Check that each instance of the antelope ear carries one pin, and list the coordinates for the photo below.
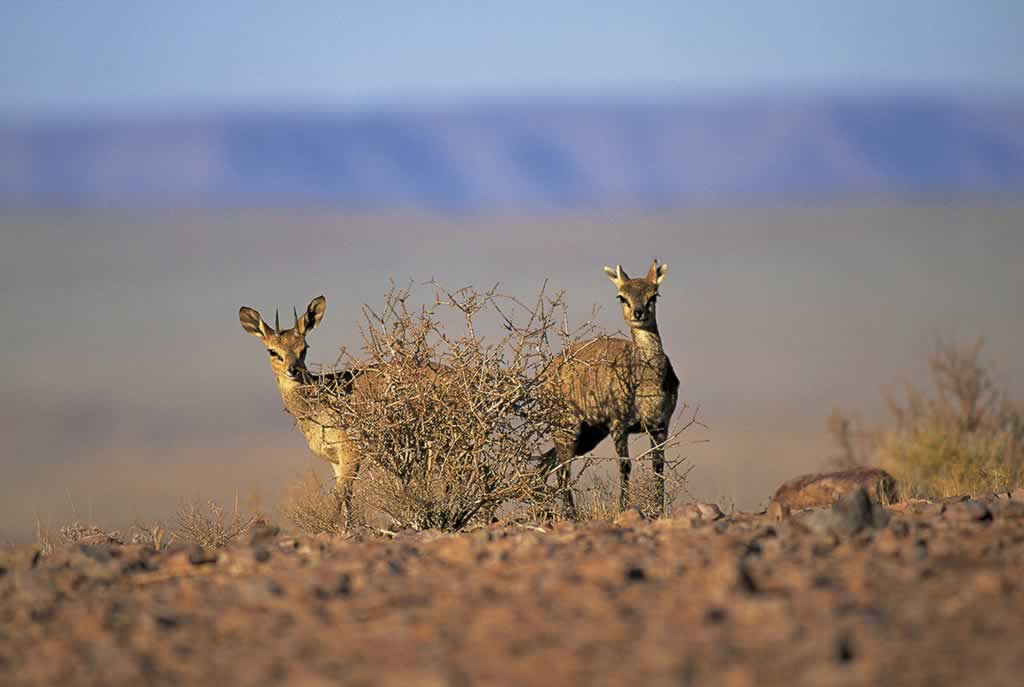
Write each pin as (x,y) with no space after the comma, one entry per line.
(617,275)
(657,273)
(314,313)
(253,323)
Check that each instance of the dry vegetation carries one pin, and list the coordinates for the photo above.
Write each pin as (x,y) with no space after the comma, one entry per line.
(457,416)
(313,507)
(964,437)
(451,431)
(212,526)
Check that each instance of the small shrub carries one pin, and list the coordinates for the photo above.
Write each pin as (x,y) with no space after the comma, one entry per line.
(154,535)
(966,437)
(598,497)
(856,445)
(211,527)
(314,508)
(44,540)
(455,416)
(81,533)
(933,459)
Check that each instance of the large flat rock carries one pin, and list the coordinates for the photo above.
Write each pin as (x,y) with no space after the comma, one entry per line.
(825,488)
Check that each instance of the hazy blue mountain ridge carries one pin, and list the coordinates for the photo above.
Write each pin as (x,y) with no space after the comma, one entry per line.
(523,155)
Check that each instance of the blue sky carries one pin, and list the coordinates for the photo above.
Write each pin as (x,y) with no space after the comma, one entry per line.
(119,56)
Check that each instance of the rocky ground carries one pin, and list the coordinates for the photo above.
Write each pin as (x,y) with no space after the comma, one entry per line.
(917,594)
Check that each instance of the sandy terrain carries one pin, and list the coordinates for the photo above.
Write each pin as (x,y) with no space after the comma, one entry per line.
(933,596)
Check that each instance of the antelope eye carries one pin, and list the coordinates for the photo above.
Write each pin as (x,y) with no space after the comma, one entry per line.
(652,299)
(274,354)
(620,298)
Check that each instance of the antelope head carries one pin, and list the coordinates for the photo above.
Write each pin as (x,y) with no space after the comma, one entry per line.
(638,296)
(286,347)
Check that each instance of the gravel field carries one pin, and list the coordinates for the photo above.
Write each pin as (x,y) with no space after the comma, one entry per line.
(919,593)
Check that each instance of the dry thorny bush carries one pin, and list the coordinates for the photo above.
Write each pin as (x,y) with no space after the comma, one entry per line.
(458,414)
(966,437)
(211,527)
(154,535)
(455,412)
(598,497)
(313,507)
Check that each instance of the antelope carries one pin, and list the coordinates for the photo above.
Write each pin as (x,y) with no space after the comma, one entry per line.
(609,386)
(287,349)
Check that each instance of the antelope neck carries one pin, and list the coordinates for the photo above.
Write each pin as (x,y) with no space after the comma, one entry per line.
(647,342)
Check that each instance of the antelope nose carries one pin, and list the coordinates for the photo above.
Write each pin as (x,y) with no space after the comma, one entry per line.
(638,314)
(292,370)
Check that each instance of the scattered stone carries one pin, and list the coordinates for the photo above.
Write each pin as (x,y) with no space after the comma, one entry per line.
(167,620)
(825,488)
(746,595)
(343,587)
(262,533)
(851,513)
(1008,508)
(97,552)
(629,518)
(844,652)
(716,615)
(700,511)
(635,573)
(921,507)
(967,511)
(778,511)
(197,555)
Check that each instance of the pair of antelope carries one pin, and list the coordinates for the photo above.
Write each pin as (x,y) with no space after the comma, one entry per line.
(608,386)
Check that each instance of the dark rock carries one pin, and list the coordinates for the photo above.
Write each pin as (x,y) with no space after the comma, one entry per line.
(822,582)
(43,614)
(97,552)
(120,616)
(967,511)
(844,650)
(1008,508)
(167,620)
(715,615)
(197,555)
(635,573)
(899,528)
(853,512)
(344,586)
(262,533)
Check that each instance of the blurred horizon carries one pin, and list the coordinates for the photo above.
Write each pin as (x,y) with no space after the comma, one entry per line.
(528,155)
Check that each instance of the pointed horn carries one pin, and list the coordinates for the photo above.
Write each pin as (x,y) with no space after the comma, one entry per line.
(277,322)
(296,313)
